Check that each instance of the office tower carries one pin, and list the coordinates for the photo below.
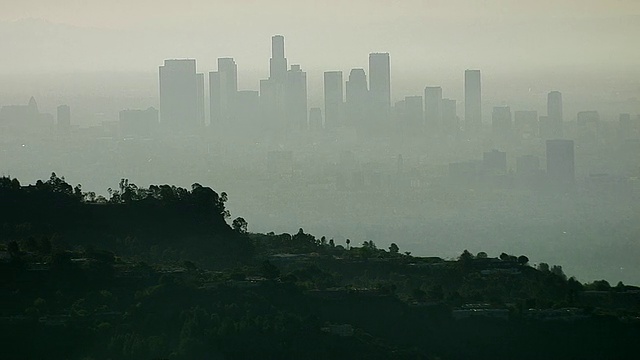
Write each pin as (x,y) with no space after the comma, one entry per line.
(357,96)
(560,162)
(200,99)
(223,89)
(526,124)
(450,121)
(472,101)
(495,161)
(273,93)
(179,95)
(64,118)
(432,106)
(501,122)
(413,112)
(247,109)
(554,113)
(315,119)
(296,98)
(277,63)
(380,85)
(138,123)
(587,128)
(333,99)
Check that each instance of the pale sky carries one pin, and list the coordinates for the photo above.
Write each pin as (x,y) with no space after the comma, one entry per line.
(428,35)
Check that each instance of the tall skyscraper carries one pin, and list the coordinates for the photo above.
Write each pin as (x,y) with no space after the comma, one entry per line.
(472,100)
(560,163)
(554,113)
(357,96)
(200,99)
(296,98)
(223,90)
(277,63)
(64,118)
(432,106)
(380,85)
(333,99)
(179,95)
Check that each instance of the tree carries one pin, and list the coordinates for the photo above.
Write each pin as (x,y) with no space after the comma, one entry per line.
(394,248)
(523,260)
(269,270)
(482,255)
(504,257)
(240,225)
(13,249)
(465,256)
(543,267)
(348,243)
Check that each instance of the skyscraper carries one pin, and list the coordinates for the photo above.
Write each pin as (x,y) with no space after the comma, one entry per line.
(380,85)
(296,98)
(560,163)
(432,106)
(526,124)
(223,89)
(277,63)
(179,95)
(554,113)
(472,100)
(357,96)
(333,99)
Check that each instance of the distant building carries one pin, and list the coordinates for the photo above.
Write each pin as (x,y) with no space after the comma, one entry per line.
(247,109)
(179,104)
(526,124)
(587,127)
(472,100)
(450,120)
(357,98)
(501,123)
(380,86)
(495,161)
(413,111)
(560,163)
(555,113)
(333,99)
(138,123)
(223,90)
(296,98)
(433,106)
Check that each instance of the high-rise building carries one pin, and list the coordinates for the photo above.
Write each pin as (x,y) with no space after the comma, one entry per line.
(357,96)
(554,113)
(380,85)
(296,98)
(333,99)
(432,106)
(413,111)
(495,161)
(179,95)
(223,89)
(560,162)
(278,62)
(200,99)
(450,121)
(64,118)
(472,100)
